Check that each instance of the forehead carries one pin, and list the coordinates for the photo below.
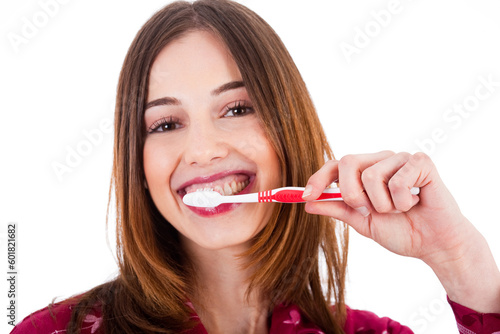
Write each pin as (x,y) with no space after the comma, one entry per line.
(195,60)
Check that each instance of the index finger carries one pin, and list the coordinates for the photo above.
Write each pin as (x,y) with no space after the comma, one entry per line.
(325,176)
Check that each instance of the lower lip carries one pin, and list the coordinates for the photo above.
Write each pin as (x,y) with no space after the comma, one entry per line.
(223,208)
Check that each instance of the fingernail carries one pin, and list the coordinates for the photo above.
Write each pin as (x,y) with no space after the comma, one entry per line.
(307,191)
(363,211)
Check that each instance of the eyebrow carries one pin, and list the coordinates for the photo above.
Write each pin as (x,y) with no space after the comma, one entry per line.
(227,86)
(162,102)
(173,101)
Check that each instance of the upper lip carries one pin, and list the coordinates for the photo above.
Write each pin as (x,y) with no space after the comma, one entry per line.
(213,177)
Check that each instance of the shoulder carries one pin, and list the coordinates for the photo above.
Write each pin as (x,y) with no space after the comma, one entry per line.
(54,319)
(289,319)
(366,322)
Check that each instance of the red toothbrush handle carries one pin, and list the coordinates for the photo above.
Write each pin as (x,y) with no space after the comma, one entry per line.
(328,196)
(291,196)
(267,196)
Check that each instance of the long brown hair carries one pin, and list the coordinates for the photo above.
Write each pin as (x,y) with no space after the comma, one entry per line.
(149,294)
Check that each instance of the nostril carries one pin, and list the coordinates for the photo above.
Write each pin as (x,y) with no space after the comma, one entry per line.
(197,157)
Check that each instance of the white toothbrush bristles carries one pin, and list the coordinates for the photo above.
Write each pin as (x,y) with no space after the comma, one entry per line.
(203,199)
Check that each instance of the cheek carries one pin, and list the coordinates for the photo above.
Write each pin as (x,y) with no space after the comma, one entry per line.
(272,168)
(159,163)
(252,142)
(259,149)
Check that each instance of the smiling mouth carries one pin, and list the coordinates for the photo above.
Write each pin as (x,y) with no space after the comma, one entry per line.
(226,186)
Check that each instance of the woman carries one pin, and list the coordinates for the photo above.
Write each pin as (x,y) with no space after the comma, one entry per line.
(209,97)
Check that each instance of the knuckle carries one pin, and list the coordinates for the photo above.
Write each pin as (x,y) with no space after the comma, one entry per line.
(388,153)
(383,207)
(348,161)
(404,156)
(353,199)
(370,175)
(421,158)
(331,162)
(396,183)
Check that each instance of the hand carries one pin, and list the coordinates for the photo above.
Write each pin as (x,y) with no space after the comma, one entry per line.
(378,203)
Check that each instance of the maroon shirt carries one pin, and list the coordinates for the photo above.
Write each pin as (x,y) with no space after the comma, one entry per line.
(285,320)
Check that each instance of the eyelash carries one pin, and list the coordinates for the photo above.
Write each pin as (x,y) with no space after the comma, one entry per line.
(162,122)
(242,106)
(239,105)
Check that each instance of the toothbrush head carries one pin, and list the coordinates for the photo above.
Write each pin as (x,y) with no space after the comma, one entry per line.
(203,199)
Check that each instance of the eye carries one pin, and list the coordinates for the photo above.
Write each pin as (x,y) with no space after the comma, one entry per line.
(165,124)
(239,108)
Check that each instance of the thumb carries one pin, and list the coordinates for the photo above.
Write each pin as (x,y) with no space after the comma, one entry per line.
(342,212)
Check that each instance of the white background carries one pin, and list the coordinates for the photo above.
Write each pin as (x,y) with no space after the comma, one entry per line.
(392,94)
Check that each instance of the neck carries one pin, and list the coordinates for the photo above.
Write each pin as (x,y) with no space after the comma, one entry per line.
(220,293)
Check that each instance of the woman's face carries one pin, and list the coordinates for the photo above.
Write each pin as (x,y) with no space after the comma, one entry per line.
(202,132)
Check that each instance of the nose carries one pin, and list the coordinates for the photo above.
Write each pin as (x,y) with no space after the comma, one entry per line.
(204,144)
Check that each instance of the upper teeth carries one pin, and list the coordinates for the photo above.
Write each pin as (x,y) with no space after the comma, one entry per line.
(227,189)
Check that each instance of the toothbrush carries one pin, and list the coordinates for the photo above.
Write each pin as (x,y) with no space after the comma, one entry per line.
(211,199)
